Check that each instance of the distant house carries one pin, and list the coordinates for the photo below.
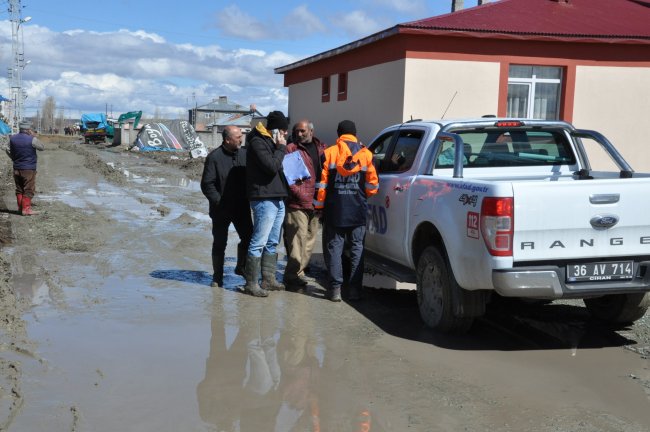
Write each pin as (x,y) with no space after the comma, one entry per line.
(205,117)
(584,61)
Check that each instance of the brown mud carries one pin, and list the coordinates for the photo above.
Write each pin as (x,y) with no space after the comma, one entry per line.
(108,322)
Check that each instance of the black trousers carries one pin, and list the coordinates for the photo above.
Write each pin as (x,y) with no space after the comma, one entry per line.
(225,214)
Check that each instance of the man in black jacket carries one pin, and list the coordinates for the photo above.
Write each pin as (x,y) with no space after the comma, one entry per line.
(266,187)
(224,184)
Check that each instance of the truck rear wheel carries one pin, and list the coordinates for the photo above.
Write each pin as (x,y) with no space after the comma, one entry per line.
(435,284)
(618,308)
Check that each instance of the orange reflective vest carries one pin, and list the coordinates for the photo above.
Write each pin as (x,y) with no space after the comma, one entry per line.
(347,180)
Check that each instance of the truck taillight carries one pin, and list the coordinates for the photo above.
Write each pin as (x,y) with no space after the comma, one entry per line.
(497,225)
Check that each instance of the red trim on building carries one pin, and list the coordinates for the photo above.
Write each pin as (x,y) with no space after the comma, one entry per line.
(568,93)
(568,89)
(422,46)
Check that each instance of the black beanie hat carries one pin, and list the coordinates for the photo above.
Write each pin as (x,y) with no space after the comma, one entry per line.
(277,120)
(346,127)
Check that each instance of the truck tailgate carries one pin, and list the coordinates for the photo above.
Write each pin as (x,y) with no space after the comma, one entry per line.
(581,219)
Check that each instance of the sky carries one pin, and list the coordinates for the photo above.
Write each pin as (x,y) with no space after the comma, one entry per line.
(164,57)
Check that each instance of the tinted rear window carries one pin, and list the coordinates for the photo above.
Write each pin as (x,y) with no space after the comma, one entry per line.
(500,148)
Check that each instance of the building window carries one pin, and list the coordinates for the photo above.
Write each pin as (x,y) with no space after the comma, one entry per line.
(534,92)
(325,89)
(343,87)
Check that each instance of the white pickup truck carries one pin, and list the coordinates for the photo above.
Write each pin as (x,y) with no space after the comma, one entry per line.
(470,207)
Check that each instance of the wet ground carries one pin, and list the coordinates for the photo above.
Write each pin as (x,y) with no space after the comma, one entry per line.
(109,323)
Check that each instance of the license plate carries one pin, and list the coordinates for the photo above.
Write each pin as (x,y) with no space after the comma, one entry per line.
(601,271)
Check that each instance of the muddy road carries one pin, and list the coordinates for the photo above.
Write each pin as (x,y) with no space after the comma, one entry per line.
(109,323)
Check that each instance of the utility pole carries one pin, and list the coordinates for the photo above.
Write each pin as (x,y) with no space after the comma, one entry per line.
(194,112)
(18,63)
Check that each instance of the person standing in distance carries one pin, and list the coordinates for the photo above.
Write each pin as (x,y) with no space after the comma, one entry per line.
(267,189)
(22,151)
(224,185)
(348,179)
(301,220)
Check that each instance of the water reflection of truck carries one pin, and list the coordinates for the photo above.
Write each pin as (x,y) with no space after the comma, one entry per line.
(95,128)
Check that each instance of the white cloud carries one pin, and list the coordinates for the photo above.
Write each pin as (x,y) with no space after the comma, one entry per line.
(357,24)
(405,6)
(135,70)
(235,22)
(301,20)
(297,23)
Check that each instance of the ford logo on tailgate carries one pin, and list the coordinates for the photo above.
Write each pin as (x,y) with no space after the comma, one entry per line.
(601,222)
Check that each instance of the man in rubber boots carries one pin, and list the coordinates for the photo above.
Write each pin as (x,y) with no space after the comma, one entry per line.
(266,187)
(224,185)
(22,150)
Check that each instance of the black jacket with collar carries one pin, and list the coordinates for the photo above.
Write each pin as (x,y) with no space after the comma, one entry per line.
(264,175)
(224,178)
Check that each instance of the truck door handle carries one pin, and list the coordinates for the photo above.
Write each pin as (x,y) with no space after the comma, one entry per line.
(604,198)
(398,188)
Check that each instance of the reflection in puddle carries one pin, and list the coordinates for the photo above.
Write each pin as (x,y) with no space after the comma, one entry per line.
(268,365)
(31,288)
(168,181)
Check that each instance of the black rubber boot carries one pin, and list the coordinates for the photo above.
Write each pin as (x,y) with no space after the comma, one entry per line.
(217,268)
(252,275)
(242,250)
(269,265)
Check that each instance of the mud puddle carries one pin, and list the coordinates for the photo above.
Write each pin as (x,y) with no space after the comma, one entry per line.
(124,332)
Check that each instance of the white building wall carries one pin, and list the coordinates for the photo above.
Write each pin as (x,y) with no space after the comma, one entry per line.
(451,88)
(615,101)
(369,91)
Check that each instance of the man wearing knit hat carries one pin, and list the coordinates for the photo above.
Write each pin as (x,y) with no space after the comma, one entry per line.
(266,188)
(22,150)
(347,180)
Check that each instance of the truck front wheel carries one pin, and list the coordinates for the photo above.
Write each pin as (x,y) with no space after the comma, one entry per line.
(618,308)
(435,283)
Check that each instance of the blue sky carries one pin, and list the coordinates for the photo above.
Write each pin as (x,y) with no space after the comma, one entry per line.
(162,56)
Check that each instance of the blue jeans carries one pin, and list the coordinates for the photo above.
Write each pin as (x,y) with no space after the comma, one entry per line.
(268,216)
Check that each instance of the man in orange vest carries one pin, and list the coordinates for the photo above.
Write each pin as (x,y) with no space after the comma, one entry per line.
(347,180)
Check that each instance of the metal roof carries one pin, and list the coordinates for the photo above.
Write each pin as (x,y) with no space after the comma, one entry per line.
(612,21)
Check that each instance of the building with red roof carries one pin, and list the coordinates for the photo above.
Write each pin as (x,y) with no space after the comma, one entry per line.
(584,61)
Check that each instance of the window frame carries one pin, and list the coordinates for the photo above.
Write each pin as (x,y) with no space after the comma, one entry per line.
(325,89)
(531,83)
(392,138)
(342,87)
